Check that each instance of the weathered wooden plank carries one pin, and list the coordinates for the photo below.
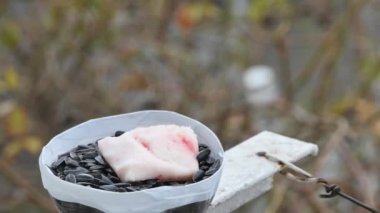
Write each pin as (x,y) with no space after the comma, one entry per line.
(247,176)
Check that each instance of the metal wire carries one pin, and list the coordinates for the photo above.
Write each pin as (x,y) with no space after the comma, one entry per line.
(295,173)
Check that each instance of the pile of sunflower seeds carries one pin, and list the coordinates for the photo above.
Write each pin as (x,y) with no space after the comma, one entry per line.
(85,166)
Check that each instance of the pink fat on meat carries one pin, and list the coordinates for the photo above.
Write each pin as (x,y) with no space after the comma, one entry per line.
(164,152)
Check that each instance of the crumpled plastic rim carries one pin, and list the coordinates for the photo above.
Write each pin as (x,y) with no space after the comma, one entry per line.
(153,200)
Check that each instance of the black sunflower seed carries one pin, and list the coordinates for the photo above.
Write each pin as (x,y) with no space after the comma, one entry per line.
(105,179)
(90,165)
(68,168)
(75,171)
(73,155)
(85,183)
(203,163)
(198,175)
(100,160)
(89,155)
(118,133)
(88,161)
(84,177)
(108,187)
(96,167)
(98,182)
(70,162)
(85,151)
(159,184)
(70,178)
(64,154)
(202,155)
(58,162)
(210,160)
(97,171)
(122,184)
(113,178)
(101,182)
(60,168)
(95,174)
(213,168)
(203,146)
(109,170)
(131,188)
(151,181)
(204,167)
(80,156)
(81,147)
(174,183)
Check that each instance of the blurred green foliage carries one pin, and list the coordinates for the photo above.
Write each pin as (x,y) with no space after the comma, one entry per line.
(63,62)
(15,121)
(261,11)
(10,34)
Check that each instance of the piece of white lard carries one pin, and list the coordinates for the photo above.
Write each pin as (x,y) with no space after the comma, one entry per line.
(163,152)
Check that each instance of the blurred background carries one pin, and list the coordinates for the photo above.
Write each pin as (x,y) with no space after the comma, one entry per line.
(305,69)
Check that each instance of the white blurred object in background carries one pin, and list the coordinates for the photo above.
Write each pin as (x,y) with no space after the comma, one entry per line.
(375,89)
(261,86)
